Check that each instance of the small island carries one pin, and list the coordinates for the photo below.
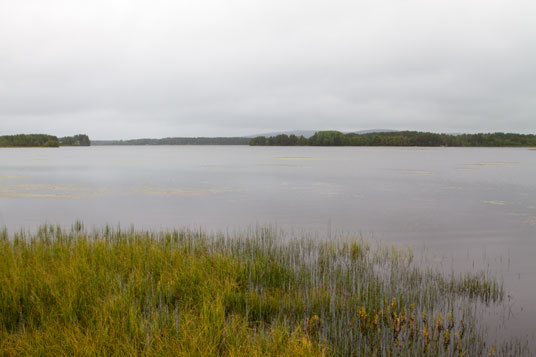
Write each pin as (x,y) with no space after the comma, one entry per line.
(43,140)
(29,140)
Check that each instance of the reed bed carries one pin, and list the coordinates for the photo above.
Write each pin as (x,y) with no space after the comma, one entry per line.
(185,292)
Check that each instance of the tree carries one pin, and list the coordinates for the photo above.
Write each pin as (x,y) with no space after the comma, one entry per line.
(328,138)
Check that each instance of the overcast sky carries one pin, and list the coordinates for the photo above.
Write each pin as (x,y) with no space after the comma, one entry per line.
(140,68)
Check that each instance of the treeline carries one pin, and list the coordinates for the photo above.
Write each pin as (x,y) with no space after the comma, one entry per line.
(399,138)
(177,141)
(279,140)
(29,140)
(43,140)
(77,140)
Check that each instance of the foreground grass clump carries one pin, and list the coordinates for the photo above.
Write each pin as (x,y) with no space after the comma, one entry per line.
(186,293)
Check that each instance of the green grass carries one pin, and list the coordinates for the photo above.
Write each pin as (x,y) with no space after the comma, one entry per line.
(114,292)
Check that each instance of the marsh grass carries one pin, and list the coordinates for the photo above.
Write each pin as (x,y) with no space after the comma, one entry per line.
(185,292)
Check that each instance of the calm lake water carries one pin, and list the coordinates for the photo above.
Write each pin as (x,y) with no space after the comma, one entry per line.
(462,208)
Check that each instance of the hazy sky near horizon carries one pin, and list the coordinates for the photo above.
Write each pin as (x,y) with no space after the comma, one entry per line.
(139,68)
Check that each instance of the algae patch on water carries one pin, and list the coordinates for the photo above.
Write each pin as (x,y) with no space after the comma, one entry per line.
(13,177)
(299,158)
(453,188)
(414,172)
(153,190)
(497,163)
(498,203)
(47,191)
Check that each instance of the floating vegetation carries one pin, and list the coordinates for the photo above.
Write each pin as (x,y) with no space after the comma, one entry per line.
(499,163)
(414,172)
(498,203)
(300,158)
(33,190)
(256,292)
(46,191)
(454,188)
(12,177)
(180,191)
(294,166)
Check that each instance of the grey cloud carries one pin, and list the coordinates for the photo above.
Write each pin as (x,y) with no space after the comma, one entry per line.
(119,69)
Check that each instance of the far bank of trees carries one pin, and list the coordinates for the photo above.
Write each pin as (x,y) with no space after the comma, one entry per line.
(76,140)
(29,140)
(400,138)
(43,140)
(279,140)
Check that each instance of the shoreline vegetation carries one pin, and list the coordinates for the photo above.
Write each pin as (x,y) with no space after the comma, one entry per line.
(43,140)
(76,140)
(29,140)
(398,138)
(320,138)
(256,292)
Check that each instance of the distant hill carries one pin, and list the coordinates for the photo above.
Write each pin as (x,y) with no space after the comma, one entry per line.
(370,131)
(306,133)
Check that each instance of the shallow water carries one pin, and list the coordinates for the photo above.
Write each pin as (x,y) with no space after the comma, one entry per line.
(465,208)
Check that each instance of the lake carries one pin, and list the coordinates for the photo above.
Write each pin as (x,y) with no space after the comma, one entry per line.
(461,209)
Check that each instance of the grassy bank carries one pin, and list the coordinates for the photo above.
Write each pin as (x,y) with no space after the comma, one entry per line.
(251,293)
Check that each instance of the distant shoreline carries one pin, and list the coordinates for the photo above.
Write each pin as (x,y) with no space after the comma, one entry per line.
(177,141)
(399,139)
(320,138)
(29,147)
(335,138)
(42,141)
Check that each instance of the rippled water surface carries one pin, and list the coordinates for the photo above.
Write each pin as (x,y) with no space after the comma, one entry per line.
(463,208)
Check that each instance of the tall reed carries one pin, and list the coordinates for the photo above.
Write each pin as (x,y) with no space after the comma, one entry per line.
(254,292)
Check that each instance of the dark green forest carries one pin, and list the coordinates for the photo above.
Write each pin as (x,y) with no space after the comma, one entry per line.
(29,140)
(177,141)
(76,140)
(399,138)
(43,140)
(320,138)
